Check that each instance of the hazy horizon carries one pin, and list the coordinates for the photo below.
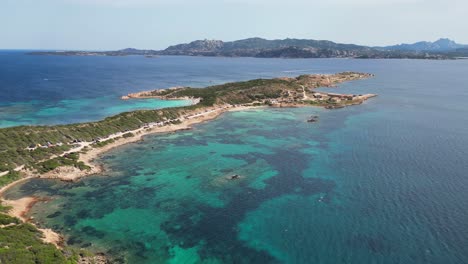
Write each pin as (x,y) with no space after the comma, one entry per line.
(157,24)
(126,47)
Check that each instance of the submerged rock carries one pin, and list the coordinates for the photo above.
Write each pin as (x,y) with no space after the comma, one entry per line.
(313,119)
(234,177)
(334,106)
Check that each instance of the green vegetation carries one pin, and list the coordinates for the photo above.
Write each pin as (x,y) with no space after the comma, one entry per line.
(20,243)
(70,159)
(6,220)
(128,135)
(4,209)
(14,141)
(101,144)
(238,92)
(9,178)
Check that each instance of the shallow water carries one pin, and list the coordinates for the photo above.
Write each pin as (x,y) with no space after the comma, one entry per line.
(383,182)
(75,110)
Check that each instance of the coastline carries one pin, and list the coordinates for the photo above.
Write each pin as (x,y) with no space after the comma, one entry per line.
(21,207)
(68,173)
(89,151)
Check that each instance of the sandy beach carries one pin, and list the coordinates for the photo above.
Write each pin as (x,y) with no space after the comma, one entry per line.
(20,209)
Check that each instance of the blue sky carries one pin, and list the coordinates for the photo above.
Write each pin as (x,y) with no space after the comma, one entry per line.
(156,24)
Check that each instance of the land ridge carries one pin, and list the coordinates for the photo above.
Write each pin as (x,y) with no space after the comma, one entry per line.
(289,48)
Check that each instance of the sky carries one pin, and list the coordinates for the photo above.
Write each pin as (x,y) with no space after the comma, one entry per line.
(156,24)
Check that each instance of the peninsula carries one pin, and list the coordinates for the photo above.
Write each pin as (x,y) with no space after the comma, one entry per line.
(67,152)
(45,151)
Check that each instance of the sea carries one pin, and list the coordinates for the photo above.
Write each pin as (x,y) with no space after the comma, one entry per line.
(381,182)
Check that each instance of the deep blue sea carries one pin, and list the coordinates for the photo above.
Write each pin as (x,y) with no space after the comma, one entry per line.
(382,182)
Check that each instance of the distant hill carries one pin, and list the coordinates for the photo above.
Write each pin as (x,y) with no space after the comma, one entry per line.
(458,53)
(441,45)
(290,48)
(122,52)
(258,47)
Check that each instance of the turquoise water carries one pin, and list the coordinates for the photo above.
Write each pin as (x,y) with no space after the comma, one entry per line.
(382,182)
(75,110)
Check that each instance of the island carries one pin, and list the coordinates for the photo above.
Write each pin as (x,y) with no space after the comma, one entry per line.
(441,49)
(67,152)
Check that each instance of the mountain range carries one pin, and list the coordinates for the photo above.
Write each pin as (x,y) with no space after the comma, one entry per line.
(441,45)
(292,48)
